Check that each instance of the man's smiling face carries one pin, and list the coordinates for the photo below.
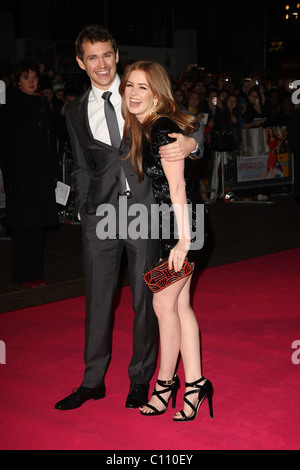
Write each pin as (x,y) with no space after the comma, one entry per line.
(99,60)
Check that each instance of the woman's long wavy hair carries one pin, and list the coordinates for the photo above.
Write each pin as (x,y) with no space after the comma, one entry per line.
(161,88)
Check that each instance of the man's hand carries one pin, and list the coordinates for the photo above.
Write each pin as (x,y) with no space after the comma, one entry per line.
(178,150)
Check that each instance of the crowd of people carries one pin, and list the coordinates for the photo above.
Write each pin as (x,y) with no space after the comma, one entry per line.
(222,101)
(225,103)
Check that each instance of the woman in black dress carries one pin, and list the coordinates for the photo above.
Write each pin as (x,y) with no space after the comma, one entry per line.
(29,165)
(151,117)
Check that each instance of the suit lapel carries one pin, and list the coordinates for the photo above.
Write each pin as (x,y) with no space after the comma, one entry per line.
(83,112)
(84,118)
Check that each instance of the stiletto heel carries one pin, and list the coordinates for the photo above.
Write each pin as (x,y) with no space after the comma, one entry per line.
(204,391)
(210,405)
(172,386)
(174,396)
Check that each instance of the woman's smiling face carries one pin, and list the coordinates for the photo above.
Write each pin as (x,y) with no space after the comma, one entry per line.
(138,95)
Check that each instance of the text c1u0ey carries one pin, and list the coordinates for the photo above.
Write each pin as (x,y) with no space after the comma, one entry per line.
(154,459)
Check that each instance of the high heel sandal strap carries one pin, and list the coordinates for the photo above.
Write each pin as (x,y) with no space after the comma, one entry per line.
(196,383)
(197,389)
(204,391)
(187,401)
(168,387)
(167,383)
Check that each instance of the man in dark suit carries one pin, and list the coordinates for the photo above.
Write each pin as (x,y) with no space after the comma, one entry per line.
(103,179)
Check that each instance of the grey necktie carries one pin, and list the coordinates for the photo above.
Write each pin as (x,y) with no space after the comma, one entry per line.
(113,128)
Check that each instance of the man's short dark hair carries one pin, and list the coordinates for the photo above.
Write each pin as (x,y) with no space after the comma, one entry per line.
(93,33)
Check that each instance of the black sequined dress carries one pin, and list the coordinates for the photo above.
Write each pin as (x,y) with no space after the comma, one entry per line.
(153,169)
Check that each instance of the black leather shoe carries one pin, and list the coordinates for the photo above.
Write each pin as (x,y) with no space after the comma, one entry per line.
(138,395)
(80,396)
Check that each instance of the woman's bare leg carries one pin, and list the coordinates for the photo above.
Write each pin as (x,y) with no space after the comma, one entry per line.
(190,344)
(165,305)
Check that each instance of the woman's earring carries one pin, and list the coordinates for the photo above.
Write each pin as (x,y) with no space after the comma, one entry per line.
(153,110)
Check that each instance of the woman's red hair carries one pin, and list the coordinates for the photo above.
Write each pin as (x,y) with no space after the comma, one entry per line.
(161,88)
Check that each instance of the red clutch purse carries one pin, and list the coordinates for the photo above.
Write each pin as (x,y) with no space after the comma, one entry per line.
(160,276)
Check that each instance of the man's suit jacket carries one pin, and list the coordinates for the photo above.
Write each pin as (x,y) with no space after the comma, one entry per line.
(97,165)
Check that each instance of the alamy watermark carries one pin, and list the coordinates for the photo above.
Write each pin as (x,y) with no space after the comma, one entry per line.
(2,352)
(296,354)
(135,222)
(296,94)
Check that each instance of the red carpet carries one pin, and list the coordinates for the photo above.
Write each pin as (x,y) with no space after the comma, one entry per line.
(249,318)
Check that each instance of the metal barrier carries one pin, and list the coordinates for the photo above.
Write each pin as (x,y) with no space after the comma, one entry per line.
(261,161)
(67,214)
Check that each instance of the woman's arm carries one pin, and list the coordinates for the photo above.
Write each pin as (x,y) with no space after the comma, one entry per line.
(174,172)
(184,146)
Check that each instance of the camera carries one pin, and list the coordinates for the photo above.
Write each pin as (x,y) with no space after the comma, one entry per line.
(214,100)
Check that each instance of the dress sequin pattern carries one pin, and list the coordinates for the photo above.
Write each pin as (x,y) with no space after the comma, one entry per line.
(153,169)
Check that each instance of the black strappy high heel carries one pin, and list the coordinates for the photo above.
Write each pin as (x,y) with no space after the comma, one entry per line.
(172,386)
(204,391)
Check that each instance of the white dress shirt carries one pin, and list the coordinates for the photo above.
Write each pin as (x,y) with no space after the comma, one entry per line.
(96,113)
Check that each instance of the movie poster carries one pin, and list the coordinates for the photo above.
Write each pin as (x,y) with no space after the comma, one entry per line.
(264,154)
